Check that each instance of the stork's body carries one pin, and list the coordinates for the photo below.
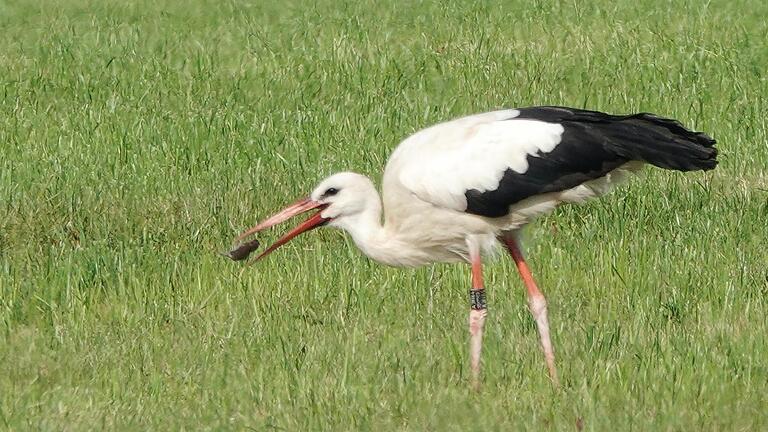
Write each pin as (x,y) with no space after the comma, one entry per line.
(457,190)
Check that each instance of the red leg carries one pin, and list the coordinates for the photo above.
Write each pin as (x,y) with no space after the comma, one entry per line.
(536,303)
(477,313)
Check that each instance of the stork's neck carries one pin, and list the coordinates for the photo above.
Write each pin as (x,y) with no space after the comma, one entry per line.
(374,239)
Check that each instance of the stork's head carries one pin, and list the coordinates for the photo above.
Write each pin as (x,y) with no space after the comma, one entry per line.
(340,199)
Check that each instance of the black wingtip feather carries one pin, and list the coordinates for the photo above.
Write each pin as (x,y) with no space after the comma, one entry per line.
(687,150)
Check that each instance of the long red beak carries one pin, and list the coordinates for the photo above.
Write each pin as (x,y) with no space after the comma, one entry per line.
(297,208)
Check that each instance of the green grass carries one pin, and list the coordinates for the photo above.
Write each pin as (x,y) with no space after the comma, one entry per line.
(137,138)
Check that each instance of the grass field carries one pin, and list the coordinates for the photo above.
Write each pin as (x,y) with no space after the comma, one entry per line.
(137,138)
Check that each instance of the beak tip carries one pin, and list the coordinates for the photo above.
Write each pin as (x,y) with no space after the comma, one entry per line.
(242,252)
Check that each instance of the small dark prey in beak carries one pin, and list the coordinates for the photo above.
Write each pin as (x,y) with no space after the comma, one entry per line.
(242,252)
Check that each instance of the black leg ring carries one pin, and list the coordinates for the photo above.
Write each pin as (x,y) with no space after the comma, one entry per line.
(477,299)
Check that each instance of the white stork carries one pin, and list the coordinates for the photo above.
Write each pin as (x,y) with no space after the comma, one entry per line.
(456,191)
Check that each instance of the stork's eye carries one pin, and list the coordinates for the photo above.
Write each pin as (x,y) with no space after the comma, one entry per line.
(331,192)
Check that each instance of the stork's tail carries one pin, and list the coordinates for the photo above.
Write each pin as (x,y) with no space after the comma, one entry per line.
(665,143)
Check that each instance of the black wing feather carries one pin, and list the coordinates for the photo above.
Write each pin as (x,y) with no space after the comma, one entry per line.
(592,145)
